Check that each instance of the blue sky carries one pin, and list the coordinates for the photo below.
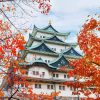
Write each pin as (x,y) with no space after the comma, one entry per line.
(66,16)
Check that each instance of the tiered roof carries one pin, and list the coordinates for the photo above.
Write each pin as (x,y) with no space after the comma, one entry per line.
(42,48)
(49,29)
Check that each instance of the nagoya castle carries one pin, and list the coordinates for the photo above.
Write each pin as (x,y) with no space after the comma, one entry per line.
(46,54)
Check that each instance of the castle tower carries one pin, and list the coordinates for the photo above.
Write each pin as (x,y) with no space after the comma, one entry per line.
(46,53)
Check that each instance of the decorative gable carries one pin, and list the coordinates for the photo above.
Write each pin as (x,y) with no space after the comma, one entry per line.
(60,62)
(72,52)
(50,28)
(42,47)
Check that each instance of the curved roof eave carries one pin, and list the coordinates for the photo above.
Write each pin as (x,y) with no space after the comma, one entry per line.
(57,59)
(36,47)
(38,61)
(54,33)
(71,48)
(59,62)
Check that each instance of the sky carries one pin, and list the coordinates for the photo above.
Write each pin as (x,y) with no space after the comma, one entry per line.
(65,15)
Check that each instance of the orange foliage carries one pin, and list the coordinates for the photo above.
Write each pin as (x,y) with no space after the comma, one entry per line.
(1,93)
(10,44)
(88,67)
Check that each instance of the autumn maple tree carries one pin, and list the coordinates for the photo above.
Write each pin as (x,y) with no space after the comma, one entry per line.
(87,68)
(11,43)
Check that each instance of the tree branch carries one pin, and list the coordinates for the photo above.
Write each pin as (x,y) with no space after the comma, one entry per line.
(96,63)
(9,20)
(13,94)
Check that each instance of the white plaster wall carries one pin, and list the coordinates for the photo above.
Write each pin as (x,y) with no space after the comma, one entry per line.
(58,47)
(43,89)
(46,57)
(67,92)
(40,70)
(48,74)
(47,35)
(61,76)
(31,57)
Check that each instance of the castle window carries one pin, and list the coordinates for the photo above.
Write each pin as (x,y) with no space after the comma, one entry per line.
(61,87)
(43,73)
(53,75)
(38,86)
(40,36)
(54,49)
(43,36)
(35,73)
(50,87)
(48,61)
(64,76)
(56,75)
(45,60)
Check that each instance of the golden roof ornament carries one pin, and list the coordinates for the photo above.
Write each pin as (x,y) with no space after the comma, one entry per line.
(49,22)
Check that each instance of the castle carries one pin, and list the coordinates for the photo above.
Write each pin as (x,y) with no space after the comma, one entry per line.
(46,54)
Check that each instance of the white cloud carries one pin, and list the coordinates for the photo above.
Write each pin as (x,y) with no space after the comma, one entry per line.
(66,15)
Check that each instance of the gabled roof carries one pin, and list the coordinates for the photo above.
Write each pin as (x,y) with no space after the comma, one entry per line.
(72,52)
(50,28)
(55,38)
(42,47)
(61,61)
